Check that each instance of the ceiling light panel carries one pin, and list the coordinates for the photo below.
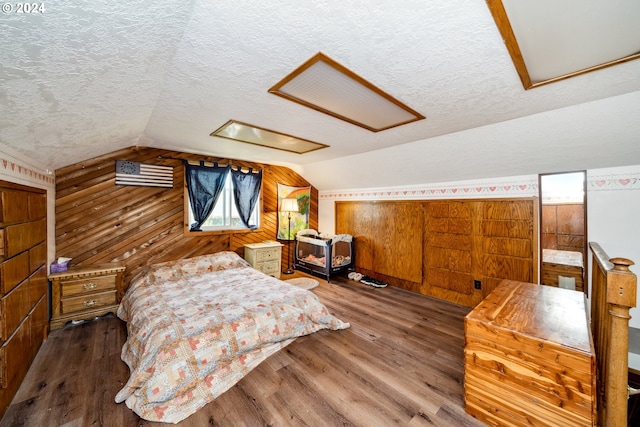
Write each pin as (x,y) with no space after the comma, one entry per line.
(551,41)
(326,86)
(243,132)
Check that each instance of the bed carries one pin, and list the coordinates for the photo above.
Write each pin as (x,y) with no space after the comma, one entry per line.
(199,325)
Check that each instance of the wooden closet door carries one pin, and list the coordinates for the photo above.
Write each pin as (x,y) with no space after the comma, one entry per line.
(356,219)
(398,244)
(451,237)
(388,237)
(509,242)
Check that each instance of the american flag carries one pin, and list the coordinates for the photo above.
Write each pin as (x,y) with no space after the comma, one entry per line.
(144,175)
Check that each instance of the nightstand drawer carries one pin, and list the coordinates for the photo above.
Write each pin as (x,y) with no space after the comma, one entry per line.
(88,285)
(269,267)
(86,302)
(268,254)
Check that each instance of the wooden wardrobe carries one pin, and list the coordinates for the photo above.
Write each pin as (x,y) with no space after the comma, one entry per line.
(454,250)
(23,283)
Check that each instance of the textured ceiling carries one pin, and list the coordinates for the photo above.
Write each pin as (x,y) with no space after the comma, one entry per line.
(86,78)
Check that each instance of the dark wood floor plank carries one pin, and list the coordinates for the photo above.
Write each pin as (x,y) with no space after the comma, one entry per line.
(400,363)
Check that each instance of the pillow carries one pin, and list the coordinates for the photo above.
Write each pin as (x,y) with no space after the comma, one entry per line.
(214,262)
(171,270)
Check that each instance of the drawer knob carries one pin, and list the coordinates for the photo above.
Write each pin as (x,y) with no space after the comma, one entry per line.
(90,303)
(89,286)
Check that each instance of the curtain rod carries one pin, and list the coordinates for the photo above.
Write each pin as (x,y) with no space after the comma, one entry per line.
(238,167)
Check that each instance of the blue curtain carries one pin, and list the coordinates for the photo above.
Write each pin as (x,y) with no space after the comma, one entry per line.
(246,188)
(204,184)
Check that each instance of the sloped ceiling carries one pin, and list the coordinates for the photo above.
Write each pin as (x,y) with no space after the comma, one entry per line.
(83,79)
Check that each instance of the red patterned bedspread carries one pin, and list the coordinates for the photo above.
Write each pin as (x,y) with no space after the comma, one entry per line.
(197,326)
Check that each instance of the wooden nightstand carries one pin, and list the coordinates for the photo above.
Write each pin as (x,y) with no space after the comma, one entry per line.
(85,292)
(266,257)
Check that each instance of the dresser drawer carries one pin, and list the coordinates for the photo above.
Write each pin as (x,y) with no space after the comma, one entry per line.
(268,254)
(265,257)
(87,285)
(269,267)
(86,302)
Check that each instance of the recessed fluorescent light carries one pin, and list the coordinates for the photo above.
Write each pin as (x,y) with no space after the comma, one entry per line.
(326,86)
(238,131)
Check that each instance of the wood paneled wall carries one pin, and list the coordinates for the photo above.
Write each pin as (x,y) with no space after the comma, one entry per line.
(563,227)
(97,221)
(439,248)
(387,240)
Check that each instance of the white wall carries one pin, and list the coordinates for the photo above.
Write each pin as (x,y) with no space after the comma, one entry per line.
(613,206)
(598,134)
(613,215)
(19,169)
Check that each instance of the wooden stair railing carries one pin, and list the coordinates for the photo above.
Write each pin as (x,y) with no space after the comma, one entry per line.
(613,293)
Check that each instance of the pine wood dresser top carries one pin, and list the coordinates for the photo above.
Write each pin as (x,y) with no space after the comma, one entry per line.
(546,313)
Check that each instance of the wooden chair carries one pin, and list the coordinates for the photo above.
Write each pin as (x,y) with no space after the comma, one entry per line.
(613,293)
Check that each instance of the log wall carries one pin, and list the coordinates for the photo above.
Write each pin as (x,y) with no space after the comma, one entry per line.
(97,221)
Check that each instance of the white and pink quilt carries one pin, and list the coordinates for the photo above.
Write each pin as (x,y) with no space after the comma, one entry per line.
(197,326)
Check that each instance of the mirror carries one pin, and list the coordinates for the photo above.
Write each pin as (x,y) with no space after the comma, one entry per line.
(563,232)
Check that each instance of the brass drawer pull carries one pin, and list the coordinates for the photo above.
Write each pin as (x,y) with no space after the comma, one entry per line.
(89,286)
(90,303)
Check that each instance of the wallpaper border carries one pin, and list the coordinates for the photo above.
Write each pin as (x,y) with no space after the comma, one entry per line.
(14,169)
(507,187)
(523,187)
(613,182)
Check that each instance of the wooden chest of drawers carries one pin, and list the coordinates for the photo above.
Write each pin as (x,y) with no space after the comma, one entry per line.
(529,359)
(562,263)
(266,257)
(23,283)
(85,292)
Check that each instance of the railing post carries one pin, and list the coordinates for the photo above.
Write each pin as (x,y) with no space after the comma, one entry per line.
(621,296)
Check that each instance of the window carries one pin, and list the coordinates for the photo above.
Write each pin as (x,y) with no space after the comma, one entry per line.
(225,215)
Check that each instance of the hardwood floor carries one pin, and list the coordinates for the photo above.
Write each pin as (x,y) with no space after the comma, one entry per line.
(400,363)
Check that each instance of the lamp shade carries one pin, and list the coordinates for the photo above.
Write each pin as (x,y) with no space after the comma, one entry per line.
(289,205)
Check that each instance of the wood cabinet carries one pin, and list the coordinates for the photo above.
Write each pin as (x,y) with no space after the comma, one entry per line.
(562,263)
(266,257)
(455,250)
(23,283)
(85,292)
(529,359)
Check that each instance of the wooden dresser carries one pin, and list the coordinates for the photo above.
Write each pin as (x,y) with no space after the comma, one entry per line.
(562,263)
(23,283)
(266,257)
(84,292)
(529,359)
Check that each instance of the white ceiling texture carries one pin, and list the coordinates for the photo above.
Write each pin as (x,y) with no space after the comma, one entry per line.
(84,78)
